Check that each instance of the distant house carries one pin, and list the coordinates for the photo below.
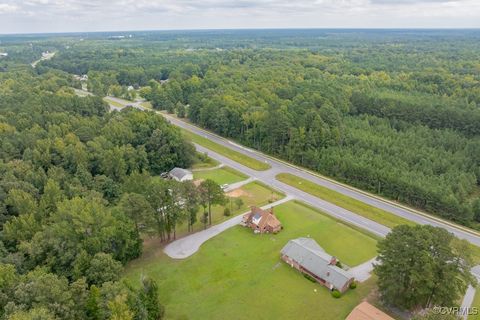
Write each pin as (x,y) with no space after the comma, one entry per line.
(365,311)
(180,174)
(80,78)
(305,255)
(3,54)
(262,221)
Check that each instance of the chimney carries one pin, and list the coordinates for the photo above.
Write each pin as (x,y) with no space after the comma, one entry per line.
(333,261)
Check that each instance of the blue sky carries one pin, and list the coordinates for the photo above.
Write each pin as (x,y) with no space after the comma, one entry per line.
(24,16)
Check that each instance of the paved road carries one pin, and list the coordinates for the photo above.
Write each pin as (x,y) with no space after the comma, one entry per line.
(185,247)
(277,166)
(46,57)
(267,178)
(281,167)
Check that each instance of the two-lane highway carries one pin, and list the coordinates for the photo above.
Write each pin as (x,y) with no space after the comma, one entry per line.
(277,166)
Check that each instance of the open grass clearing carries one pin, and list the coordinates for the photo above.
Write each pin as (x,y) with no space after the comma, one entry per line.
(381,216)
(252,194)
(113,102)
(227,152)
(202,161)
(476,303)
(239,275)
(224,175)
(147,104)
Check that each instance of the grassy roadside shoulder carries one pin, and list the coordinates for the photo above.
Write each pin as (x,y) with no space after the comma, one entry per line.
(356,206)
(201,162)
(224,175)
(113,102)
(381,216)
(227,152)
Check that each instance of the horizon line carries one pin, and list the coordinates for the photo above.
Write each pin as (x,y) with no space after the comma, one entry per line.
(241,29)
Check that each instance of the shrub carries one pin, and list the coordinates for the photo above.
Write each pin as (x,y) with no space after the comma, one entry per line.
(339,264)
(336,294)
(309,277)
(239,202)
(226,212)
(353,285)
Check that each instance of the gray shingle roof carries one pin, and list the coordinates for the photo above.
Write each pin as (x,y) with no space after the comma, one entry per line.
(179,173)
(311,256)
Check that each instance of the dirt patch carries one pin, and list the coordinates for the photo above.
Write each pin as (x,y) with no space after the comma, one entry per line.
(237,193)
(198,182)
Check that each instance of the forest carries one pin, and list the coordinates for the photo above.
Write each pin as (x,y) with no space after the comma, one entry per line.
(391,112)
(79,190)
(396,113)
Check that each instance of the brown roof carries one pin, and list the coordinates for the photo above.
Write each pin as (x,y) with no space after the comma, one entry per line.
(267,217)
(365,311)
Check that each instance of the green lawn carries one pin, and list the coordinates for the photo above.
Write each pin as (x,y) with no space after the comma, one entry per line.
(221,176)
(351,245)
(113,103)
(202,161)
(239,275)
(476,303)
(147,105)
(252,194)
(227,152)
(383,217)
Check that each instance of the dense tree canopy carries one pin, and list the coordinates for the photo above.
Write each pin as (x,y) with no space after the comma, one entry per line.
(391,112)
(69,207)
(396,113)
(423,266)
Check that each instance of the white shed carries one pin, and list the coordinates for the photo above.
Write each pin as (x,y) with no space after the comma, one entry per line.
(180,174)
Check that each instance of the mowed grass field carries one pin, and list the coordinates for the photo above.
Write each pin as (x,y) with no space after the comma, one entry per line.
(202,162)
(221,176)
(113,103)
(239,275)
(381,216)
(476,303)
(252,194)
(224,151)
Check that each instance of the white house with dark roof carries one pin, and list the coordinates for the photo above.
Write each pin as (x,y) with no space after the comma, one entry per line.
(305,255)
(180,174)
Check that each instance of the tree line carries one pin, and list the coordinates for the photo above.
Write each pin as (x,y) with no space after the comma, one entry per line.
(392,113)
(79,188)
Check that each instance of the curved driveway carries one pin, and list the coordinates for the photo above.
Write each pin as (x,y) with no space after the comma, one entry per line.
(277,166)
(185,247)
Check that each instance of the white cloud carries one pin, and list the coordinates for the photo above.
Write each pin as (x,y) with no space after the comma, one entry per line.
(7,8)
(90,15)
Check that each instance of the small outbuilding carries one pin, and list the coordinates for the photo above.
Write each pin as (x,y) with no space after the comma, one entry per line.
(365,311)
(306,255)
(180,174)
